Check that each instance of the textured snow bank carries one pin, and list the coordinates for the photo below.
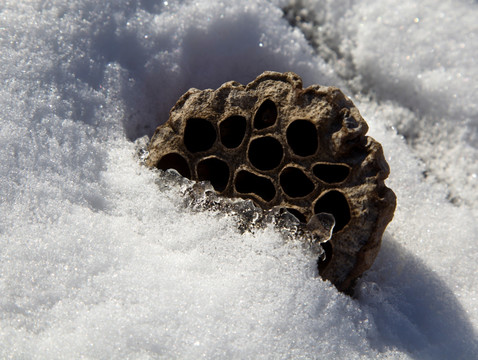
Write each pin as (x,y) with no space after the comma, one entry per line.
(98,259)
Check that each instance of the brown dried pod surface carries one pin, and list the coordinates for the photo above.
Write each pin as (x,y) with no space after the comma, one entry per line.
(278,144)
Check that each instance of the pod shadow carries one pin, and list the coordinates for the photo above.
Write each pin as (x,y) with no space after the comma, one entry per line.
(413,309)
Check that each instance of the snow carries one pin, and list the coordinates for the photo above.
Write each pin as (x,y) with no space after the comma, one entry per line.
(100,257)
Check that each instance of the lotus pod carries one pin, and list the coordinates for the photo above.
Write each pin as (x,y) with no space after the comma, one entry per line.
(304,150)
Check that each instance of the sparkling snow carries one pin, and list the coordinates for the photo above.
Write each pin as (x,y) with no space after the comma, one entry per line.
(100,258)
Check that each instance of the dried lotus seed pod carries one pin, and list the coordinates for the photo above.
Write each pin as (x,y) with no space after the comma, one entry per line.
(281,145)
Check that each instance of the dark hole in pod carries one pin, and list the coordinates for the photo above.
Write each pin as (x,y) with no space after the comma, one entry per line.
(176,162)
(265,153)
(297,214)
(335,203)
(214,170)
(331,173)
(247,182)
(302,137)
(199,135)
(232,131)
(325,258)
(266,115)
(295,183)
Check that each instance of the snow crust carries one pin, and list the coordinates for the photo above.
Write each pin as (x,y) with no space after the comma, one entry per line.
(100,258)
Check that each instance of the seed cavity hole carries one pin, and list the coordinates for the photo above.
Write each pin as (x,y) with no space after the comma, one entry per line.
(302,137)
(249,183)
(176,162)
(266,115)
(232,131)
(265,153)
(199,135)
(214,170)
(331,173)
(295,183)
(335,203)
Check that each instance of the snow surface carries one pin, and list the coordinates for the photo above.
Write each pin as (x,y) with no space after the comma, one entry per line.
(99,257)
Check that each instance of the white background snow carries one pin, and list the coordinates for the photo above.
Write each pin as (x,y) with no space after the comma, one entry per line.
(100,260)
